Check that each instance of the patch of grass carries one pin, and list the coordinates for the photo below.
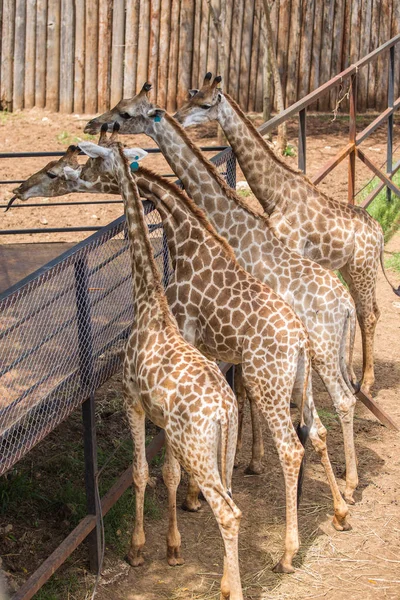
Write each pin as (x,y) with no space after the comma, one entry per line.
(289,150)
(387,213)
(393,262)
(327,417)
(244,193)
(65,585)
(4,116)
(16,488)
(67,138)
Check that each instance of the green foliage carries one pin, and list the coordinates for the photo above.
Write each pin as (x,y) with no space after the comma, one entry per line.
(245,192)
(4,116)
(327,418)
(393,262)
(60,586)
(289,150)
(67,138)
(387,213)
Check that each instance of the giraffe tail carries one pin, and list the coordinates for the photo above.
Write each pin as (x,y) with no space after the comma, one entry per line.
(396,290)
(302,429)
(349,326)
(228,445)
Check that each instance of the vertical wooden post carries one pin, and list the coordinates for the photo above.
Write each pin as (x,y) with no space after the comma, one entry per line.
(131,47)
(143,44)
(91,55)
(327,42)
(153,45)
(352,139)
(79,71)
(67,57)
(185,50)
(245,54)
(40,55)
(7,54)
(389,149)
(173,56)
(302,141)
(305,49)
(237,21)
(117,51)
(53,55)
(294,52)
(165,31)
(103,72)
(19,54)
(29,96)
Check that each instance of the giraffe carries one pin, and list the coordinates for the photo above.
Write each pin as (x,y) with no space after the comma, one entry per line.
(317,296)
(337,235)
(228,314)
(166,379)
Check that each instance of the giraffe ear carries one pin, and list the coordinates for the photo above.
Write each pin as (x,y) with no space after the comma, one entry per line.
(71,174)
(192,93)
(156,113)
(135,153)
(93,150)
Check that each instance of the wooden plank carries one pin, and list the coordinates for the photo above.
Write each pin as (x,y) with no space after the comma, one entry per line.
(29,92)
(40,53)
(355,23)
(245,54)
(104,71)
(185,50)
(260,63)
(364,49)
(327,42)
(7,53)
(196,44)
(165,32)
(79,66)
(67,57)
(203,43)
(117,51)
(91,55)
(212,50)
(395,29)
(377,410)
(373,66)
(173,56)
(236,37)
(316,48)
(293,52)
(143,43)
(131,48)
(255,47)
(282,37)
(337,47)
(227,42)
(53,55)
(305,48)
(153,45)
(383,61)
(19,54)
(332,163)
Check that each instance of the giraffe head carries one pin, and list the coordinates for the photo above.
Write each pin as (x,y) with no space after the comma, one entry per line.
(58,177)
(66,175)
(203,104)
(132,115)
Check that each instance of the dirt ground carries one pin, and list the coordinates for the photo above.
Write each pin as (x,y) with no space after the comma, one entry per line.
(361,564)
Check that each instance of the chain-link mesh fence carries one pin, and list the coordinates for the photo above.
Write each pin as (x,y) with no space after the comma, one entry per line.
(63,331)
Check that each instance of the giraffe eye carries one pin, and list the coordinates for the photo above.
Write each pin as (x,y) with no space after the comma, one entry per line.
(51,175)
(125,115)
(205,106)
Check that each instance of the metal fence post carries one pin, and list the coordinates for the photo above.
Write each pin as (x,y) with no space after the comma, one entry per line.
(352,138)
(231,170)
(302,140)
(85,346)
(389,149)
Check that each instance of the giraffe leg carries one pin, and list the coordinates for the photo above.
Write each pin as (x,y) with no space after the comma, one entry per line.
(228,518)
(136,418)
(192,503)
(344,402)
(172,475)
(361,280)
(240,394)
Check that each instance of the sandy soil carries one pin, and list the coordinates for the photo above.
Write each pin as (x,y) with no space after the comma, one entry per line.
(362,564)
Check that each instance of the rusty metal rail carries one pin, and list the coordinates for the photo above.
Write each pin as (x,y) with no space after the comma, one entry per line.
(351,150)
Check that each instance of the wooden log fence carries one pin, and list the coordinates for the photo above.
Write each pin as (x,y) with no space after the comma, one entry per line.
(84,55)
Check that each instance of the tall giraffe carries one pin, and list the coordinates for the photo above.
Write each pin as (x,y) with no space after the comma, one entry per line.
(334,234)
(317,296)
(228,315)
(180,390)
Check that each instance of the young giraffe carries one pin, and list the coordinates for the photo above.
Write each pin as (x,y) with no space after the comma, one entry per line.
(180,390)
(213,311)
(317,296)
(334,234)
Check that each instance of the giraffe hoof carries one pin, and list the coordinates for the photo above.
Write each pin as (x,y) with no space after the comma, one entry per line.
(174,557)
(341,524)
(135,559)
(254,469)
(349,498)
(282,568)
(191,507)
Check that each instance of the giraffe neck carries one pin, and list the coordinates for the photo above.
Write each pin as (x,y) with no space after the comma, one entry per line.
(201,179)
(265,173)
(148,292)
